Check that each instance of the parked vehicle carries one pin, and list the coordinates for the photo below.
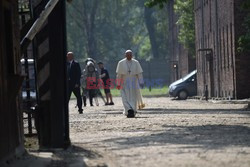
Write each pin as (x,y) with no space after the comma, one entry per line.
(28,102)
(184,87)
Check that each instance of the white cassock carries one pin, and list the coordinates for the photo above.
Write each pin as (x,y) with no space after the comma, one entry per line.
(130,73)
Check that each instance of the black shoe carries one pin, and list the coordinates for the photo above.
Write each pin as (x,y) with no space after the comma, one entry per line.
(111,104)
(106,104)
(131,114)
(80,111)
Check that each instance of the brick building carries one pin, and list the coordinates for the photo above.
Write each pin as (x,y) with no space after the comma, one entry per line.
(221,69)
(181,62)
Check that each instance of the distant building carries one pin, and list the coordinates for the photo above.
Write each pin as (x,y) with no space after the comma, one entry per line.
(181,62)
(224,71)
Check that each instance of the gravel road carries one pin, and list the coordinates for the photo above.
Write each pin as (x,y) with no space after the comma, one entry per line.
(166,133)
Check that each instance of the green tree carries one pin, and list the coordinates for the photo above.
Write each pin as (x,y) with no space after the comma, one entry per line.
(117,25)
(160,3)
(185,12)
(244,40)
(150,24)
(86,16)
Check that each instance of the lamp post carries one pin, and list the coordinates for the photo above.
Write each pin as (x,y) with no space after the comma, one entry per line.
(175,67)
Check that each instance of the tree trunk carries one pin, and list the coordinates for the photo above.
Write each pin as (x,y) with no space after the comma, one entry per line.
(149,21)
(89,23)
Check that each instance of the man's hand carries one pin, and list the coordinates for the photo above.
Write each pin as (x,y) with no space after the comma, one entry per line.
(76,86)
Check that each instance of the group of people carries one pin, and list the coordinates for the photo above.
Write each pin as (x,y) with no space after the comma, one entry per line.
(129,81)
(90,78)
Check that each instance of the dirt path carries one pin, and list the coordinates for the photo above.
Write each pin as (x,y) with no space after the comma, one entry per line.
(166,133)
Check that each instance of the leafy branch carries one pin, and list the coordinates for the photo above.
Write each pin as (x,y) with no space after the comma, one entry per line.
(151,3)
(244,40)
(185,12)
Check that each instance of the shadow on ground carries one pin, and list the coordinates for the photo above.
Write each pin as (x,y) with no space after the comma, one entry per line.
(193,111)
(73,156)
(179,111)
(206,137)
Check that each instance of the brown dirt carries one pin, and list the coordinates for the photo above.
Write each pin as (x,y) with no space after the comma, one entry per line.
(166,133)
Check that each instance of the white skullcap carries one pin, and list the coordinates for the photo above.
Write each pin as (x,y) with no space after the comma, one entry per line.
(128,51)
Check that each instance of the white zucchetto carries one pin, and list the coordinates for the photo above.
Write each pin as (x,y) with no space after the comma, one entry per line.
(128,51)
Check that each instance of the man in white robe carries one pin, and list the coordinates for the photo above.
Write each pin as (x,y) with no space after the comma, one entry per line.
(129,81)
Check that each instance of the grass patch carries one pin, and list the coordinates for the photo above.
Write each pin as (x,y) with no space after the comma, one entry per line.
(145,92)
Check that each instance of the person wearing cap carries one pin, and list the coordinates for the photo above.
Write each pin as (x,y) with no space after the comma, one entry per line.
(105,78)
(129,81)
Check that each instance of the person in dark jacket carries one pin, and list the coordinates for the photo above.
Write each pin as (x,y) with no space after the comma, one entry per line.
(105,78)
(74,75)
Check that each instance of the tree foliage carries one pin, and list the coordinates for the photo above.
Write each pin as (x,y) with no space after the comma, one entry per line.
(117,25)
(244,40)
(160,3)
(185,12)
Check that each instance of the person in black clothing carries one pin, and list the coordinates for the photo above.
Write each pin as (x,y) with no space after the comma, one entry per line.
(105,78)
(74,75)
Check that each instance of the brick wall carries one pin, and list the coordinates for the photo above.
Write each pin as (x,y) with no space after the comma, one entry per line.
(218,27)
